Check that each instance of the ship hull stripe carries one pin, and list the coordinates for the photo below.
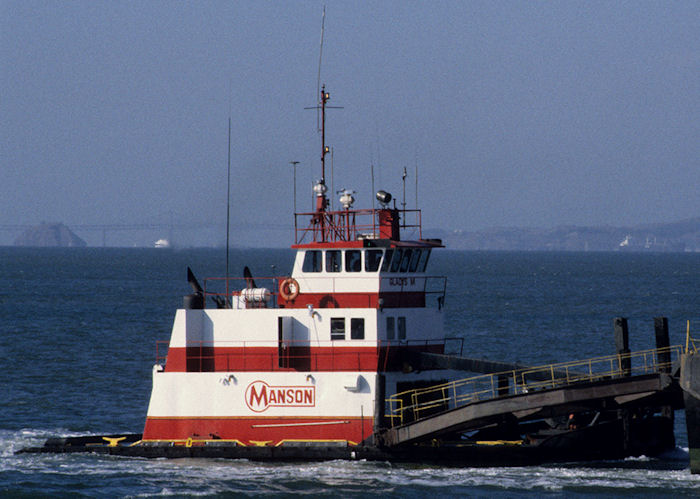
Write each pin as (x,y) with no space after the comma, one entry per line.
(390,299)
(253,430)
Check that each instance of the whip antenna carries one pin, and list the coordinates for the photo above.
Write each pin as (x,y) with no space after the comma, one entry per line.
(228,203)
(320,57)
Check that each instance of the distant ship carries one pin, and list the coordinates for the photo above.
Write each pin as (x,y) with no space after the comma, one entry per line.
(162,243)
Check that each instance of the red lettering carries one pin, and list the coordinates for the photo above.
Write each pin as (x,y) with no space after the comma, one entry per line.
(258,400)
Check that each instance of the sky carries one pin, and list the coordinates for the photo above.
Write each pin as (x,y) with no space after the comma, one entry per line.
(511,114)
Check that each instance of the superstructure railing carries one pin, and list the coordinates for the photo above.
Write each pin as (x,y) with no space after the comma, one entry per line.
(234,292)
(349,225)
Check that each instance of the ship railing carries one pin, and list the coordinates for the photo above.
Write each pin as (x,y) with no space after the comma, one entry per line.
(444,346)
(161,356)
(351,225)
(241,292)
(412,405)
(287,355)
(691,344)
(234,292)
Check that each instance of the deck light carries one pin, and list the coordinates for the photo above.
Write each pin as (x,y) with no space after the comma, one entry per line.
(383,197)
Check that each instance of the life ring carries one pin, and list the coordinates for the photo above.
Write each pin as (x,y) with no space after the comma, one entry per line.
(289,289)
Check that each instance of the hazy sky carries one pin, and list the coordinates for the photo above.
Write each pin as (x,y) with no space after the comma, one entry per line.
(516,113)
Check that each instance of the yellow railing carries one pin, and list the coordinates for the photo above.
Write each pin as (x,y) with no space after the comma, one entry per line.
(416,404)
(690,341)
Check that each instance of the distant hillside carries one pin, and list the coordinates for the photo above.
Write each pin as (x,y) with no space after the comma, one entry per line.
(671,237)
(49,235)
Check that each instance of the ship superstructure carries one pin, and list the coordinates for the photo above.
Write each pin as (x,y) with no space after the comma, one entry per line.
(309,357)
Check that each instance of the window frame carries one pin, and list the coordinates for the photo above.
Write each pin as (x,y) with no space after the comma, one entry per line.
(317,263)
(357,328)
(351,260)
(378,261)
(401,328)
(390,328)
(337,265)
(335,335)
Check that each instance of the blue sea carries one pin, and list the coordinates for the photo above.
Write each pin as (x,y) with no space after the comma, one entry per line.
(78,329)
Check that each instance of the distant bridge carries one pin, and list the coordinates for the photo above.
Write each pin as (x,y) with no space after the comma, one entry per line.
(170,228)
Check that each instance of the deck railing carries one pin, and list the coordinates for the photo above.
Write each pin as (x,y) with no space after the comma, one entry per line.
(234,293)
(691,344)
(201,356)
(349,225)
(276,356)
(416,404)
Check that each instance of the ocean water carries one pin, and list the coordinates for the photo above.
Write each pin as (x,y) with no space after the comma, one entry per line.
(78,330)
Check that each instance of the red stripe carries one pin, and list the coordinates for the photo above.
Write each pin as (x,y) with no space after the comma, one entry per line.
(226,359)
(330,244)
(247,430)
(299,358)
(397,299)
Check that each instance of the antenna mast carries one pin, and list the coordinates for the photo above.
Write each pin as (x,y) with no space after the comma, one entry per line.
(228,204)
(320,57)
(403,179)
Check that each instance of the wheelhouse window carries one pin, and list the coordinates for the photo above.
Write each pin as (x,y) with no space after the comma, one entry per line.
(415,259)
(372,260)
(353,261)
(401,322)
(386,264)
(390,331)
(312,261)
(406,259)
(337,328)
(357,329)
(423,263)
(396,260)
(333,258)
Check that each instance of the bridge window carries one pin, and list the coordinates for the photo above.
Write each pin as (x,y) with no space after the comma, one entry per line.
(396,260)
(423,260)
(353,261)
(390,332)
(312,261)
(357,329)
(401,322)
(387,260)
(333,260)
(372,260)
(406,259)
(415,259)
(337,328)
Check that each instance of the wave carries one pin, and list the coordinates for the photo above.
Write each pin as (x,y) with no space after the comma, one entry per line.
(63,474)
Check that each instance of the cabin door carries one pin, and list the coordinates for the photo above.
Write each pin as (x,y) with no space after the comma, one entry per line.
(293,348)
(285,333)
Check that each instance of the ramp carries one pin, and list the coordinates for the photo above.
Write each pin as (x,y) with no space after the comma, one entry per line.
(594,384)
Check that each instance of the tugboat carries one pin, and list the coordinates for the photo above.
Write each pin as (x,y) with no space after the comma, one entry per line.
(310,358)
(346,358)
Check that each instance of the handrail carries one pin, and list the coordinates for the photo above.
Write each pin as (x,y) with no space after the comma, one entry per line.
(229,290)
(689,340)
(426,401)
(288,355)
(342,225)
(161,358)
